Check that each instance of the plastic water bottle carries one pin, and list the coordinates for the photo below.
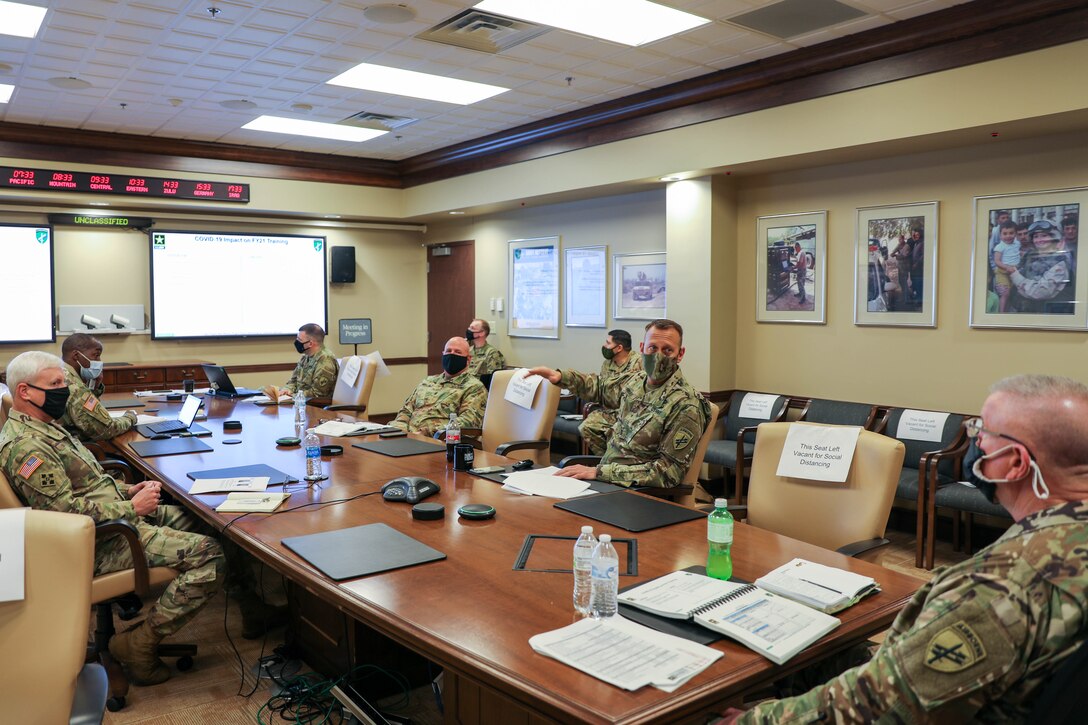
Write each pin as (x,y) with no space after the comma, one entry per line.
(313,456)
(719,539)
(453,437)
(583,568)
(605,568)
(300,407)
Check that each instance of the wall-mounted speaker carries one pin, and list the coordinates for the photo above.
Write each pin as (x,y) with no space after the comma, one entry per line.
(343,265)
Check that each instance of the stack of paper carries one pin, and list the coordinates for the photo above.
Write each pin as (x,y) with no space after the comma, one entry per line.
(241,502)
(345,428)
(626,654)
(825,588)
(224,485)
(544,482)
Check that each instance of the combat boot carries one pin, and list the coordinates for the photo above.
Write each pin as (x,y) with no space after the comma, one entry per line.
(135,649)
(257,616)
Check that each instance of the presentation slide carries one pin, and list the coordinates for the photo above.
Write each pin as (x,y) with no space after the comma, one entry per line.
(207,284)
(26,291)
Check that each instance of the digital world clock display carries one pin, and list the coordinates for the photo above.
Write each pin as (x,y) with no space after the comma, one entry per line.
(14,177)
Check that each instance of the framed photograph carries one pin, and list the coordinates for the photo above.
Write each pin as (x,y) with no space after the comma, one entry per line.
(533,277)
(638,286)
(585,283)
(791,266)
(895,265)
(1024,261)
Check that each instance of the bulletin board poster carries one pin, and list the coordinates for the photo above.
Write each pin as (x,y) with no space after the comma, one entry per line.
(533,276)
(586,274)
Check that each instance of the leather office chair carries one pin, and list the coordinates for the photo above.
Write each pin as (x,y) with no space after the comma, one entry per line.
(849,517)
(1064,699)
(351,397)
(511,430)
(43,678)
(116,588)
(734,450)
(5,407)
(841,412)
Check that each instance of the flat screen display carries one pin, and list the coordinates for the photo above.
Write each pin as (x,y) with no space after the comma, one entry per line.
(213,284)
(26,289)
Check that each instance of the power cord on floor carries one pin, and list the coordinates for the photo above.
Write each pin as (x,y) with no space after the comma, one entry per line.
(308,698)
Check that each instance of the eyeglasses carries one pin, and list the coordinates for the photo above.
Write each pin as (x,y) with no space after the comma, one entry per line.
(973,427)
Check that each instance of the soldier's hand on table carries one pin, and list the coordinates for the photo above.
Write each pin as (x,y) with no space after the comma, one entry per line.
(552,376)
(586,473)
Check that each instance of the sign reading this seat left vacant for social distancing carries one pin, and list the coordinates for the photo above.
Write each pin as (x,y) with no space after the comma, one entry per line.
(818,452)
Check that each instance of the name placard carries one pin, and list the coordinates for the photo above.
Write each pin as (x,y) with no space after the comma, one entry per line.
(757,405)
(921,425)
(351,369)
(818,452)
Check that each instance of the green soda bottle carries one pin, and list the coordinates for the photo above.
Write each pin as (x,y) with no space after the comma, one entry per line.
(719,539)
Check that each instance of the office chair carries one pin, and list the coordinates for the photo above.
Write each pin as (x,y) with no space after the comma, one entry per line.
(841,412)
(511,430)
(1064,699)
(43,678)
(734,450)
(353,396)
(849,517)
(123,588)
(687,484)
(5,408)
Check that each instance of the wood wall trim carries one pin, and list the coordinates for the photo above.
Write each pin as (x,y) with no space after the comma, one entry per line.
(282,367)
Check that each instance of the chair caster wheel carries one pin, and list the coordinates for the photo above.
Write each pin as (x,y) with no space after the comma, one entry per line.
(114,704)
(185,663)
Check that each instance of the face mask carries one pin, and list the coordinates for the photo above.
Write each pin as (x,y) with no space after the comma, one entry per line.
(56,401)
(300,346)
(454,364)
(972,470)
(469,335)
(92,371)
(608,353)
(659,366)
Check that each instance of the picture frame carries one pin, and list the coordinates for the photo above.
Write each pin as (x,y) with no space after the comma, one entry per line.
(1038,286)
(639,286)
(585,284)
(533,288)
(777,237)
(895,265)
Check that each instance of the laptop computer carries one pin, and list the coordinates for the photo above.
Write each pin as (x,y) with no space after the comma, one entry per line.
(183,423)
(221,384)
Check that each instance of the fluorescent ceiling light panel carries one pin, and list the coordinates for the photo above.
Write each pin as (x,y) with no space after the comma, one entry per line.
(631,22)
(6,89)
(298,127)
(383,79)
(20,20)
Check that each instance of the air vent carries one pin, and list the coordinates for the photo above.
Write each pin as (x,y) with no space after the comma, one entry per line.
(790,18)
(485,32)
(377,121)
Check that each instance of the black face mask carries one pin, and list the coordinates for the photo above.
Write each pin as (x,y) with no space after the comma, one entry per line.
(469,335)
(454,364)
(56,401)
(608,352)
(987,488)
(300,346)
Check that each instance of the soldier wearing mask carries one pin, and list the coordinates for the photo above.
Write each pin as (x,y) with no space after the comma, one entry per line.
(317,369)
(454,390)
(486,358)
(85,416)
(660,419)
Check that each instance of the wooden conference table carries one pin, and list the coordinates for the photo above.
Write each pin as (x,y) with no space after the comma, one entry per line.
(472,614)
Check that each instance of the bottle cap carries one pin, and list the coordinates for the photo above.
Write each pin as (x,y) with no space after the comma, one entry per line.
(587,529)
(720,503)
(605,538)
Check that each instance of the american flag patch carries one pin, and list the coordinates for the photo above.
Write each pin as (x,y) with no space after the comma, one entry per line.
(91,404)
(29,466)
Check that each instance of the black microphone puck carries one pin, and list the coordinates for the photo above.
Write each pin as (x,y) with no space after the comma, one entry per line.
(428,511)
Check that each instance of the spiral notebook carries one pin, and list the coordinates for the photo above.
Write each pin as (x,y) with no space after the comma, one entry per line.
(775,627)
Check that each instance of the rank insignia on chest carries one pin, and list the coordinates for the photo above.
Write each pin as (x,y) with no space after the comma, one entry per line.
(954,649)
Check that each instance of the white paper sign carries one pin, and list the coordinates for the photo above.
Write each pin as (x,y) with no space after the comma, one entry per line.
(12,555)
(757,405)
(522,390)
(351,369)
(818,452)
(921,425)
(383,369)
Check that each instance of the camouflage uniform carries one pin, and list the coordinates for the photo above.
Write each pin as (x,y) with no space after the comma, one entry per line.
(428,408)
(486,359)
(51,470)
(86,417)
(976,643)
(604,388)
(657,429)
(315,375)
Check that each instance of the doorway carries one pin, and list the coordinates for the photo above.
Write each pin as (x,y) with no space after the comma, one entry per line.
(451,296)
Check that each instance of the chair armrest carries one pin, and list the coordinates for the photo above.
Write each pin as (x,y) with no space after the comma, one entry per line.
(860,547)
(804,410)
(114,464)
(139,561)
(346,406)
(740,438)
(506,448)
(319,402)
(579,460)
(471,432)
(89,699)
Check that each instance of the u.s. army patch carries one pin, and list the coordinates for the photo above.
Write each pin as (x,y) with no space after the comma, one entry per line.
(954,649)
(681,439)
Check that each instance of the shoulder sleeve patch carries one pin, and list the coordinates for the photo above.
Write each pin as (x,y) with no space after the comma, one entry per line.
(682,438)
(91,403)
(29,466)
(954,648)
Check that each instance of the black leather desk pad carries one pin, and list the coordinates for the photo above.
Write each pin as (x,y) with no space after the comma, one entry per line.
(685,628)
(554,554)
(146,432)
(360,550)
(169,447)
(118,403)
(629,511)
(500,477)
(398,447)
(276,477)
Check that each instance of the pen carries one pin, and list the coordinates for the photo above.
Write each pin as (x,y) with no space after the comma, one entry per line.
(822,586)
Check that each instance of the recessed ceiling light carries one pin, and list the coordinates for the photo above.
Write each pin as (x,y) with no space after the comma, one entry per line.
(631,22)
(332,216)
(389,14)
(298,127)
(238,104)
(6,89)
(672,177)
(457,213)
(69,83)
(302,107)
(98,203)
(20,20)
(383,79)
